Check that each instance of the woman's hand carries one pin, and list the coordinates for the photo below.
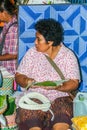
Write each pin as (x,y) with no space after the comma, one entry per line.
(68,86)
(23,80)
(30,83)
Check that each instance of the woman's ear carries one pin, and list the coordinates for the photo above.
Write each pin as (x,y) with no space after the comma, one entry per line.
(50,43)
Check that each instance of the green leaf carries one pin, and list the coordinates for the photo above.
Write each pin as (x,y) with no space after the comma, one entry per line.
(3,99)
(50,83)
(45,83)
(11,106)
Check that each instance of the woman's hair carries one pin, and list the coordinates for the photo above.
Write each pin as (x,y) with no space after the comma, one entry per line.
(51,29)
(8,6)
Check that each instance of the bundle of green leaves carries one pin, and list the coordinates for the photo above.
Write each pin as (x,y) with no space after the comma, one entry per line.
(3,103)
(11,106)
(50,83)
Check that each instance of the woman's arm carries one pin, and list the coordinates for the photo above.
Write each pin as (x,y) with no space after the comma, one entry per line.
(5,57)
(68,86)
(23,80)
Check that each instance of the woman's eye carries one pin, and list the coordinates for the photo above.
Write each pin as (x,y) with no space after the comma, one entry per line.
(39,39)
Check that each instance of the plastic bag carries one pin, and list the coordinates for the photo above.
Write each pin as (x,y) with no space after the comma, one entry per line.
(80,122)
(80,104)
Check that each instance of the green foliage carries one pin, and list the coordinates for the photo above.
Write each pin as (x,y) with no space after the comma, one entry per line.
(2,100)
(45,83)
(11,106)
(50,83)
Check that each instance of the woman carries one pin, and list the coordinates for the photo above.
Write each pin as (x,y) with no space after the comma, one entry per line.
(8,36)
(35,67)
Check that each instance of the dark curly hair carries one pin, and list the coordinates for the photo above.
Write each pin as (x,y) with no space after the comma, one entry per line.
(51,29)
(8,6)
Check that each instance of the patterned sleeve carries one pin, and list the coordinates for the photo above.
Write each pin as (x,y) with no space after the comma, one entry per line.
(72,66)
(26,65)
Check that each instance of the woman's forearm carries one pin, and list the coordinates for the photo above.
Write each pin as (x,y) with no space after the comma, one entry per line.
(68,86)
(5,57)
(23,80)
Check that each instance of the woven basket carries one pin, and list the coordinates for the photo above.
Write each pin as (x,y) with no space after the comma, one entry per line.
(11,124)
(7,86)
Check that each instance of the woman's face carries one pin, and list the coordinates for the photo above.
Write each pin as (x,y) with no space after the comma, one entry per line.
(41,44)
(4,16)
